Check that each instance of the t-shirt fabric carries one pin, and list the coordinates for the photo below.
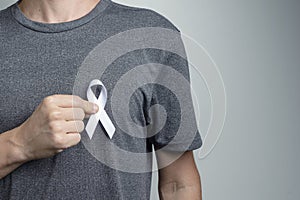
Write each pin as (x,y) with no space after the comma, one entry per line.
(38,60)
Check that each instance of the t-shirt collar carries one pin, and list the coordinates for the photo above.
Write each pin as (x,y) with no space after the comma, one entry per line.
(57,27)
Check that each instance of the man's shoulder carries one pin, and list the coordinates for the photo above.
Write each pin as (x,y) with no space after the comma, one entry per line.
(143,16)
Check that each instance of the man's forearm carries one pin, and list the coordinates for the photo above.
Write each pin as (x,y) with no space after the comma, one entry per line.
(10,155)
(175,190)
(180,179)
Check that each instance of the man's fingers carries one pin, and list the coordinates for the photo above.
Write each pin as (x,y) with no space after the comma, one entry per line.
(73,114)
(73,126)
(71,101)
(70,135)
(71,139)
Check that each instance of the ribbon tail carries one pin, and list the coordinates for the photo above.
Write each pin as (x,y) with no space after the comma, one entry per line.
(91,126)
(107,124)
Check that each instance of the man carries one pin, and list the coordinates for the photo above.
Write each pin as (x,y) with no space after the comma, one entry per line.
(43,43)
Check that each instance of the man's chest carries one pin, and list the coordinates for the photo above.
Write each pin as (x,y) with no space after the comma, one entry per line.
(31,71)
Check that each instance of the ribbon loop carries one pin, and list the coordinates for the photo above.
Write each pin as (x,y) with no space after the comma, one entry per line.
(101,115)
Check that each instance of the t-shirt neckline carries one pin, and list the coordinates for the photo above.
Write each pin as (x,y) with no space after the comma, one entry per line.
(57,27)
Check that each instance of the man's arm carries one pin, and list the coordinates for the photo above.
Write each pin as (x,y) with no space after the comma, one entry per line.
(10,156)
(54,126)
(179,180)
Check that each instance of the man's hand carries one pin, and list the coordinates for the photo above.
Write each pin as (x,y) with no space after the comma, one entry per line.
(180,179)
(54,126)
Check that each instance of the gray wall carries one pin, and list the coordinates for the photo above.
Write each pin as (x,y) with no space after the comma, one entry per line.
(256,45)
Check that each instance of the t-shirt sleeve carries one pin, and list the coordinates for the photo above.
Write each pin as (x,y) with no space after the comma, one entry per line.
(172,115)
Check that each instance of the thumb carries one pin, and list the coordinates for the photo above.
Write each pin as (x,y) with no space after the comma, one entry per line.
(90,108)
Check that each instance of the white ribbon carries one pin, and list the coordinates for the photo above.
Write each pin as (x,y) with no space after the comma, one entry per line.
(101,115)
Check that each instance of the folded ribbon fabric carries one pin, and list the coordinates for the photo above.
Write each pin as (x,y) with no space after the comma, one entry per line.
(101,115)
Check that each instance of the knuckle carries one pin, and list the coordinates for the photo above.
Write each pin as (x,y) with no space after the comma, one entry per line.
(77,139)
(48,100)
(55,127)
(55,96)
(80,126)
(58,141)
(54,115)
(81,114)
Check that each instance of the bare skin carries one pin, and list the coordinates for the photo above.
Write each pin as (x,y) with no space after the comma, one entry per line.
(180,179)
(57,122)
(56,11)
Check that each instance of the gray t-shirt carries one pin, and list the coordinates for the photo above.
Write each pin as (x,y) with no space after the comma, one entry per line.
(38,60)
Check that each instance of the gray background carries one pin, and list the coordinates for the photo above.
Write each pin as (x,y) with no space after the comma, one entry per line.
(256,45)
